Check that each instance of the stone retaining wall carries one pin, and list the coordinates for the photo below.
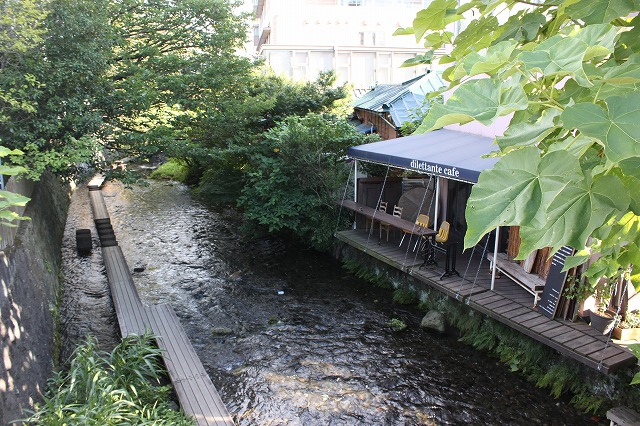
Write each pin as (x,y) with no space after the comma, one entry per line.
(29,284)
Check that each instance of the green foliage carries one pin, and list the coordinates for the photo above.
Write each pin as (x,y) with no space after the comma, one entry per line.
(110,389)
(568,71)
(232,133)
(172,169)
(8,217)
(355,267)
(296,176)
(404,296)
(397,324)
(130,77)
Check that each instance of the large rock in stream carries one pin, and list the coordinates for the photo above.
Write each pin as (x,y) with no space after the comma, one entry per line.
(434,321)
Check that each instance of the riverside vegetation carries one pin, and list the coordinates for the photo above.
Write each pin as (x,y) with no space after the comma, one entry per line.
(121,387)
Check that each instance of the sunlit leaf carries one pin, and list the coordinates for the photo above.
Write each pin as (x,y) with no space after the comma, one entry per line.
(600,40)
(512,192)
(576,146)
(558,56)
(600,11)
(576,209)
(418,60)
(13,198)
(436,16)
(479,34)
(404,31)
(11,170)
(523,134)
(522,27)
(483,100)
(4,151)
(618,127)
(496,57)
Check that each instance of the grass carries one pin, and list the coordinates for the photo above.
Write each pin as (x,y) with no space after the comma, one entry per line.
(173,169)
(121,387)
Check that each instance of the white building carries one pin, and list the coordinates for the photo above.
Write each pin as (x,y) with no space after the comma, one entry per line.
(299,38)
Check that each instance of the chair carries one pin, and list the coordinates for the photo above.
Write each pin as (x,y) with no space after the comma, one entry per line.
(381,208)
(422,222)
(443,232)
(397,212)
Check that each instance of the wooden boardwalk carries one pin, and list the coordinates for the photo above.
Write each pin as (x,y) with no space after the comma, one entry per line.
(197,395)
(508,303)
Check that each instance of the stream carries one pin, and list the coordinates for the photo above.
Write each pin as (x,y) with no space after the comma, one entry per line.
(287,336)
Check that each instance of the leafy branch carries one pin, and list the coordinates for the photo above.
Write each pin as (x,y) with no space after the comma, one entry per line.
(567,74)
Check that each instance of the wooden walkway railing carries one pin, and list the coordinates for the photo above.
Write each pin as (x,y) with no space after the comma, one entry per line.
(197,395)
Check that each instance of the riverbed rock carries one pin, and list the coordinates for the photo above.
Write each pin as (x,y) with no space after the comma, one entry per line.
(221,331)
(236,276)
(434,321)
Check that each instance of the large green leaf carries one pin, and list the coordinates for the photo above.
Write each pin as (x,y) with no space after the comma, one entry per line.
(558,56)
(483,100)
(479,34)
(4,151)
(436,16)
(14,199)
(600,11)
(600,40)
(576,209)
(618,127)
(512,192)
(523,134)
(495,57)
(522,27)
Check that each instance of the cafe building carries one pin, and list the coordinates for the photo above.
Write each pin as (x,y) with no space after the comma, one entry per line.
(408,211)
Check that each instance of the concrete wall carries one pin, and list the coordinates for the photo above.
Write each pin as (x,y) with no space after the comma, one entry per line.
(29,283)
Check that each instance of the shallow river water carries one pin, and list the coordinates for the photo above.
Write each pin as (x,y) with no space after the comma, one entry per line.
(288,337)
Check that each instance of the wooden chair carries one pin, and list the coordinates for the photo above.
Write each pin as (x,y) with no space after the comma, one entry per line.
(397,212)
(382,208)
(422,222)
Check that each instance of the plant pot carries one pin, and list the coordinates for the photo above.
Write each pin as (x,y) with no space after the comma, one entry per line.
(602,321)
(626,333)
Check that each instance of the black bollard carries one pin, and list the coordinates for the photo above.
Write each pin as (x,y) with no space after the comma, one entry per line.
(83,241)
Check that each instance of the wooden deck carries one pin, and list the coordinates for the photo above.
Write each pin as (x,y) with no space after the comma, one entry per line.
(197,395)
(98,207)
(96,182)
(508,303)
(193,386)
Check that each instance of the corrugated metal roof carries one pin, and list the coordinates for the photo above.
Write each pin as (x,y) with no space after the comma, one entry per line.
(401,100)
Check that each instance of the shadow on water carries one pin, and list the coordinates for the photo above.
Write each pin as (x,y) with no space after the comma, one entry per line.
(289,337)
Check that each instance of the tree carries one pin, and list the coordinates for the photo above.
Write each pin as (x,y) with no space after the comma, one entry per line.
(232,132)
(132,77)
(296,175)
(568,70)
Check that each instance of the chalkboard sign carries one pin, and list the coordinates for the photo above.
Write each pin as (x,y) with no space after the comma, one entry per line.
(555,283)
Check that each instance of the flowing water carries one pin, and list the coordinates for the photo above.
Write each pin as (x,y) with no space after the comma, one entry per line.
(288,337)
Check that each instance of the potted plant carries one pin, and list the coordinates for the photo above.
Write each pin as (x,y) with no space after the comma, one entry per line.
(627,327)
(602,319)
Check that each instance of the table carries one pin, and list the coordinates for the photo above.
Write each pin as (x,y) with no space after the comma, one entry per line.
(386,218)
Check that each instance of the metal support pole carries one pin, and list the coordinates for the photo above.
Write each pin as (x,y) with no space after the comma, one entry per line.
(435,213)
(1,178)
(495,258)
(355,185)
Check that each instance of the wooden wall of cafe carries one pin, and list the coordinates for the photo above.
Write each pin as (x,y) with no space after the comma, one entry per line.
(539,262)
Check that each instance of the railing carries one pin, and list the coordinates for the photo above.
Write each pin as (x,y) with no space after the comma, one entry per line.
(22,187)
